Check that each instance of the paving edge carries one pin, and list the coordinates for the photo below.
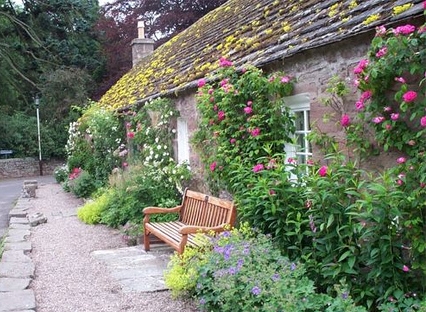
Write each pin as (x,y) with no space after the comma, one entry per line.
(16,267)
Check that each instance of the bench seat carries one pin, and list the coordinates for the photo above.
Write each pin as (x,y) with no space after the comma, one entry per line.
(198,213)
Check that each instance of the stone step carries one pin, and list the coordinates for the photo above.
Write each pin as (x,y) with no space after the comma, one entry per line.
(20,300)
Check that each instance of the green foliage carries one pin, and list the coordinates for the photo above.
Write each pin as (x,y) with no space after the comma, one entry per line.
(83,185)
(92,143)
(241,114)
(61,173)
(140,187)
(92,210)
(242,270)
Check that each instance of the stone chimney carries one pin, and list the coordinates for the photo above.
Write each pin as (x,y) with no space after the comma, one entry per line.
(141,46)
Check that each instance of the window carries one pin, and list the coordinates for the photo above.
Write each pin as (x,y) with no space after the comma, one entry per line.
(301,149)
(182,141)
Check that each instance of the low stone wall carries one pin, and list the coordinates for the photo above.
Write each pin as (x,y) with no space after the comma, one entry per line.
(26,167)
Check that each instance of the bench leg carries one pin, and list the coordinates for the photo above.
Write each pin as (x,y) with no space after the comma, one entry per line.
(146,240)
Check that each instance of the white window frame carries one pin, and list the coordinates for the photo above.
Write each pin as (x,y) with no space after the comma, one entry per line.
(299,103)
(182,141)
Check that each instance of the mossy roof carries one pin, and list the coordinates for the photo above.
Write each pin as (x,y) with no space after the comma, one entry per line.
(254,32)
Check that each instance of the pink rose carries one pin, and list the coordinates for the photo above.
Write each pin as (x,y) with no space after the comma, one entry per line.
(404,30)
(423,121)
(366,95)
(255,132)
(345,121)
(249,103)
(409,96)
(378,120)
(405,268)
(248,110)
(201,83)
(401,160)
(400,79)
(258,167)
(221,115)
(360,67)
(211,91)
(213,166)
(285,79)
(380,31)
(323,171)
(394,116)
(232,141)
(223,62)
(359,105)
(130,135)
(382,52)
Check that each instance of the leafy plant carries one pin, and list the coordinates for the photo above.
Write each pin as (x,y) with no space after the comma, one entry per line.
(61,173)
(83,185)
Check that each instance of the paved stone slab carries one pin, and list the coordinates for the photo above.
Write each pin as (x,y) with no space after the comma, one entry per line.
(17,235)
(24,246)
(135,269)
(18,213)
(15,220)
(17,300)
(19,226)
(15,256)
(17,269)
(13,284)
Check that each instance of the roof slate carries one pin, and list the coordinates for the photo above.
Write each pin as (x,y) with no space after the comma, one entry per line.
(254,32)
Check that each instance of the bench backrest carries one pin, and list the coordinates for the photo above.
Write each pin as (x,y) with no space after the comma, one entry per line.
(204,210)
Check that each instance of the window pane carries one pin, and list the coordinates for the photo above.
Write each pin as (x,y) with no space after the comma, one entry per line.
(300,121)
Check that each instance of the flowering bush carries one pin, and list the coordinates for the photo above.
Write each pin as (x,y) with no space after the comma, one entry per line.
(242,118)
(241,270)
(92,142)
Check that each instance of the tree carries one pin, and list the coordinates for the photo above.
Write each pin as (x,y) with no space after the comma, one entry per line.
(163,20)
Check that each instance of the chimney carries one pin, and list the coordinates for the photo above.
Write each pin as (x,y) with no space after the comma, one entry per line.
(141,46)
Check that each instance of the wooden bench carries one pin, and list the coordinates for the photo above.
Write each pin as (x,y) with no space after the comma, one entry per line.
(197,213)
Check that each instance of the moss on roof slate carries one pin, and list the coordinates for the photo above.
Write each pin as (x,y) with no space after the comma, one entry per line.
(247,31)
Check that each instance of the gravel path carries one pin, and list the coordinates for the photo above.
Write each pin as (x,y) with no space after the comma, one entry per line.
(67,278)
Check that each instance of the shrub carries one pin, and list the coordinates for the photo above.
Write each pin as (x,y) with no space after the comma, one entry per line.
(83,185)
(243,271)
(61,173)
(91,212)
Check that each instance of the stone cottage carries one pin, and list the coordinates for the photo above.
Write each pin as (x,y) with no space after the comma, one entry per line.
(310,40)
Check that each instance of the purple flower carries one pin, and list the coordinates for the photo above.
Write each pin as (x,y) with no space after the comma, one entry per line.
(293,266)
(275,277)
(256,290)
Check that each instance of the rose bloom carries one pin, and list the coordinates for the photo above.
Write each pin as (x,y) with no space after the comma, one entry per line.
(404,30)
(232,141)
(360,67)
(249,103)
(378,120)
(248,110)
(255,132)
(223,62)
(221,115)
(201,83)
(382,52)
(285,79)
(213,166)
(258,167)
(423,121)
(345,121)
(394,116)
(359,105)
(401,160)
(409,96)
(323,171)
(366,95)
(400,79)
(130,135)
(380,31)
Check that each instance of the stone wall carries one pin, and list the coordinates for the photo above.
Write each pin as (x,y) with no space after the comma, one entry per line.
(26,167)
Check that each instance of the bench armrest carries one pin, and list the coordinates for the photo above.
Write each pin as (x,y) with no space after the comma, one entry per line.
(151,210)
(193,229)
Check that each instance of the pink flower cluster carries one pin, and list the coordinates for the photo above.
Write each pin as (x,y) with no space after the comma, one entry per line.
(75,172)
(404,30)
(255,132)
(223,62)
(323,171)
(382,52)
(360,67)
(258,167)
